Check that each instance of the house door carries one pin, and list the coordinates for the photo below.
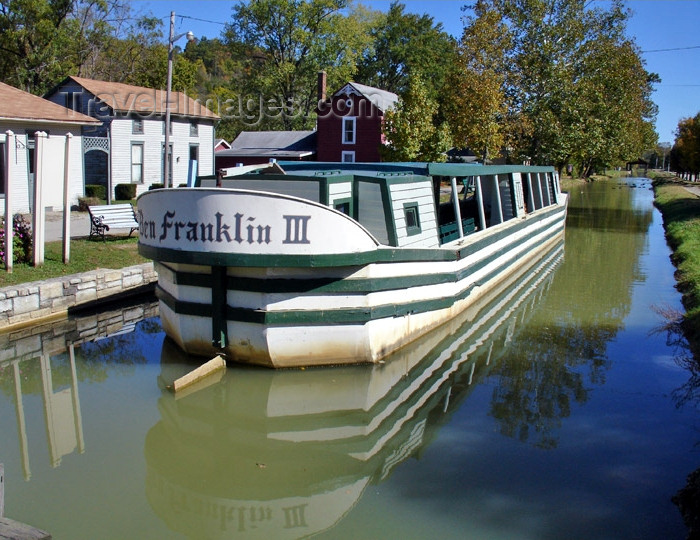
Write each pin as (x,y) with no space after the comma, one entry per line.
(193,168)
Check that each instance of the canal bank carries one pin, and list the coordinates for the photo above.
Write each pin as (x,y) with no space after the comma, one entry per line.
(679,204)
(28,303)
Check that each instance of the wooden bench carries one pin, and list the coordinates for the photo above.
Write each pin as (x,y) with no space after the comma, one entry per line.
(450,232)
(112,216)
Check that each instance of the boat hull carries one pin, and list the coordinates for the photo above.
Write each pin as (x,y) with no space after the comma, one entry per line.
(353,301)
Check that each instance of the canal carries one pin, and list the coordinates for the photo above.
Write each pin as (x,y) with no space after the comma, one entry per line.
(560,408)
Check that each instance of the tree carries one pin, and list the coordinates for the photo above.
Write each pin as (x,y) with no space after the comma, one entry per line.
(402,44)
(477,106)
(409,128)
(685,155)
(286,43)
(34,34)
(575,86)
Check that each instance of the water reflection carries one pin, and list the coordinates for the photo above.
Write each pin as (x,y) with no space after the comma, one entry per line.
(553,360)
(286,454)
(42,360)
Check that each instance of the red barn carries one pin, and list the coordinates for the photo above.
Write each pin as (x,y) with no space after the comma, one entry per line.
(349,123)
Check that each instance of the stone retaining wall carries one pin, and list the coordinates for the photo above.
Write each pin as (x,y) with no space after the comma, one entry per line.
(27,303)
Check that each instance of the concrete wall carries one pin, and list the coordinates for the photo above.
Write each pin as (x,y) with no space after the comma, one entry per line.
(27,303)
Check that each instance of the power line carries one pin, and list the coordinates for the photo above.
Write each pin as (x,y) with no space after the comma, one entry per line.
(200,20)
(675,49)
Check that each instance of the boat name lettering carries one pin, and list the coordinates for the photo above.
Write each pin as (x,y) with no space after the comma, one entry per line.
(241,229)
(297,227)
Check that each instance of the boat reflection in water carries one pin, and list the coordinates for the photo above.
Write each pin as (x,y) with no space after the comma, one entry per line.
(286,454)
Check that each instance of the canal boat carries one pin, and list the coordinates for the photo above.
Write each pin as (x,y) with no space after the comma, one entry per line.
(298,264)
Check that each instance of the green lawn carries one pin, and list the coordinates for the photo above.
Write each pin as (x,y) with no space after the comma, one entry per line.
(85,255)
(681,213)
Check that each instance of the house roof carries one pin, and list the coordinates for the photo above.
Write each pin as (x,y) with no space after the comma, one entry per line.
(18,105)
(127,98)
(223,143)
(277,144)
(382,99)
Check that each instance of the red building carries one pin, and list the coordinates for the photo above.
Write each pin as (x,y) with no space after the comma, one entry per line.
(349,124)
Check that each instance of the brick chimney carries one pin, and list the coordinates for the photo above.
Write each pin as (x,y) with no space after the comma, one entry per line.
(321,87)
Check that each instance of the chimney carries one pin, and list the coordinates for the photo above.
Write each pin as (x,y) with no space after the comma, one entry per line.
(321,87)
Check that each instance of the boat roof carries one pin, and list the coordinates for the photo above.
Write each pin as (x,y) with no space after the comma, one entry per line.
(316,168)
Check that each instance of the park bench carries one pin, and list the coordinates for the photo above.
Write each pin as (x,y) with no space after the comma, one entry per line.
(112,216)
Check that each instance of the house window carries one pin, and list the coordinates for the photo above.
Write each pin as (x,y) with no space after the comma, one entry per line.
(137,125)
(410,212)
(137,163)
(73,101)
(194,129)
(348,157)
(349,130)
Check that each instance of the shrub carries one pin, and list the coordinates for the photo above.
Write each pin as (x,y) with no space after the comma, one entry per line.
(124,192)
(21,241)
(84,202)
(156,186)
(96,190)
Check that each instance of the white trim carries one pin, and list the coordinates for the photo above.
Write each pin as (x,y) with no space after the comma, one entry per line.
(347,154)
(354,130)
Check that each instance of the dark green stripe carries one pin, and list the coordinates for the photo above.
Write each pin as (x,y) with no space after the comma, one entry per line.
(380,255)
(336,285)
(333,316)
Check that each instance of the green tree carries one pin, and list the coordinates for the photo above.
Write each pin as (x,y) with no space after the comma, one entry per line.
(409,129)
(34,34)
(286,43)
(404,43)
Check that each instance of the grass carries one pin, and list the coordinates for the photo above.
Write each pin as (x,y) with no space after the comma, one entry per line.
(85,255)
(681,213)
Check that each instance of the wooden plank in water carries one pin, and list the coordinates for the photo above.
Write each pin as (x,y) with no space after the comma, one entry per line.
(14,530)
(200,373)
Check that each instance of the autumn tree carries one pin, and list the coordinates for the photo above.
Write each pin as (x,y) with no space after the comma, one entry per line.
(410,128)
(685,154)
(476,107)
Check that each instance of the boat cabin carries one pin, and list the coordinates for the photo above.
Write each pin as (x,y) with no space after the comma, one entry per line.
(406,205)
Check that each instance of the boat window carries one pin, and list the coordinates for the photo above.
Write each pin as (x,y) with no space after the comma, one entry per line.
(412,216)
(343,206)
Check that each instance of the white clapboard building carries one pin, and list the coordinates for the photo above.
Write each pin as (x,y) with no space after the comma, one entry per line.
(24,115)
(128,145)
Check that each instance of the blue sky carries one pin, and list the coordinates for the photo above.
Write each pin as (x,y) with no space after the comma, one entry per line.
(656,25)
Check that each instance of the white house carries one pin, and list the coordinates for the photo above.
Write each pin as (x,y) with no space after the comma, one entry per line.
(128,145)
(25,114)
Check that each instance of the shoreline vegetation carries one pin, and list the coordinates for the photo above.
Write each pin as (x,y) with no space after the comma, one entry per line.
(680,208)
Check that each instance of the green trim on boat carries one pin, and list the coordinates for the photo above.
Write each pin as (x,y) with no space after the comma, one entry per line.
(341,315)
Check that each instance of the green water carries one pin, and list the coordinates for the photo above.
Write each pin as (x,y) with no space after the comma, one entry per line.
(553,411)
